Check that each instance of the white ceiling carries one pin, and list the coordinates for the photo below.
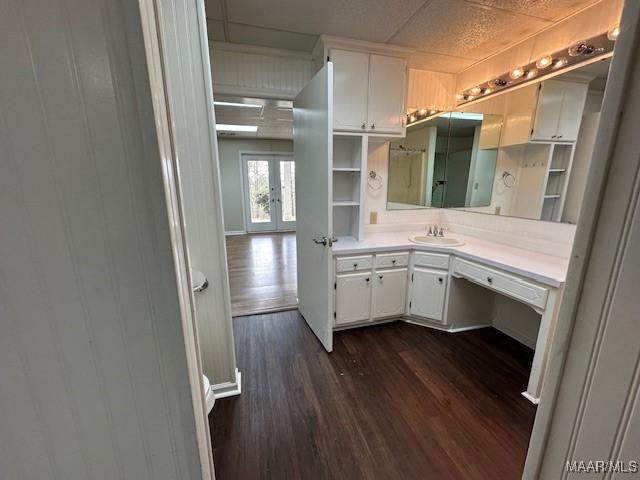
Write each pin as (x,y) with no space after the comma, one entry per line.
(274,119)
(449,35)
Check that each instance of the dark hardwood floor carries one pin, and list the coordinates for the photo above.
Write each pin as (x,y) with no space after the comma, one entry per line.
(262,272)
(393,401)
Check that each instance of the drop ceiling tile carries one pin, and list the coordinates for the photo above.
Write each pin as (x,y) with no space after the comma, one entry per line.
(215,30)
(439,63)
(547,9)
(213,9)
(373,20)
(458,28)
(271,38)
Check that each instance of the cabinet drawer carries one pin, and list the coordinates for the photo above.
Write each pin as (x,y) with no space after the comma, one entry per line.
(510,285)
(387,260)
(431,260)
(354,264)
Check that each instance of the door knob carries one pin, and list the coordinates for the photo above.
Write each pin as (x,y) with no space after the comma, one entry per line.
(439,280)
(367,279)
(320,241)
(380,277)
(489,279)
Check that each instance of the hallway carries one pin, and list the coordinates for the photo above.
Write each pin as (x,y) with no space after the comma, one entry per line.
(262,272)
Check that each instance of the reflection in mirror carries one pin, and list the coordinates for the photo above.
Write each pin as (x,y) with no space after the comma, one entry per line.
(524,153)
(417,166)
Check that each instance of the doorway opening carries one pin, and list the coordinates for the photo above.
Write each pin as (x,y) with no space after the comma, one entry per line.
(258,174)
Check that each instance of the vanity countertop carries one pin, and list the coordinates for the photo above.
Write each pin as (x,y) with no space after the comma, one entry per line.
(546,269)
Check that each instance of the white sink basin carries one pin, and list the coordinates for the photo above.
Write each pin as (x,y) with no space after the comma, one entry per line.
(438,241)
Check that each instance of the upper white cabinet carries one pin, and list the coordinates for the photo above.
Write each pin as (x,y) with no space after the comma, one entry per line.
(550,111)
(369,87)
(368,92)
(350,90)
(386,100)
(559,111)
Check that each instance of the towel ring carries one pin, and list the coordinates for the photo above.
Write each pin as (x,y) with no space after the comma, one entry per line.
(508,179)
(374,181)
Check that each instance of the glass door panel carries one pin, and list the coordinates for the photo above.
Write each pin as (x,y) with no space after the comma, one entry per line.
(287,200)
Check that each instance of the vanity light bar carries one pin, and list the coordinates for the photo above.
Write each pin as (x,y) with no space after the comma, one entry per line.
(567,58)
(422,114)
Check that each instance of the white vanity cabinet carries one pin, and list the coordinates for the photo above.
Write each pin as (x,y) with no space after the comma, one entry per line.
(428,293)
(353,298)
(368,92)
(389,293)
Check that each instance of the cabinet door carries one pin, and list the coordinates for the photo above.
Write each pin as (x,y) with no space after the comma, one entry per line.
(545,126)
(428,293)
(353,297)
(575,95)
(350,83)
(389,293)
(387,86)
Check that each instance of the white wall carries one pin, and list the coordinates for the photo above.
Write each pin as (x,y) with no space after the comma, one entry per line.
(93,369)
(191,110)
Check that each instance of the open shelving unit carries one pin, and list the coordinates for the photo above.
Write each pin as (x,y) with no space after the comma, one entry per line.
(349,158)
(557,181)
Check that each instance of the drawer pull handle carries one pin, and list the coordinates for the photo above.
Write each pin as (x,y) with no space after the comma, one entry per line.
(380,277)
(440,280)
(355,265)
(393,261)
(367,279)
(489,279)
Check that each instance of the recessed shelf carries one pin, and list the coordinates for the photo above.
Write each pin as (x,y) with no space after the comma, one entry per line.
(346,203)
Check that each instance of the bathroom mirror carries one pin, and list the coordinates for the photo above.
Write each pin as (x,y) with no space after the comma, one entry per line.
(525,153)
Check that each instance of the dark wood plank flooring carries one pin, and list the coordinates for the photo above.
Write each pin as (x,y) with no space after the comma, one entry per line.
(394,401)
(262,272)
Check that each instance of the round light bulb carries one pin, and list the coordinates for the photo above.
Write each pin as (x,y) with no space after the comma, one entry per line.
(561,62)
(422,111)
(431,112)
(459,96)
(532,73)
(516,73)
(475,90)
(544,62)
(412,118)
(487,91)
(613,33)
(470,97)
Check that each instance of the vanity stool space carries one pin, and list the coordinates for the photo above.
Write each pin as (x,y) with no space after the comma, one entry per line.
(446,289)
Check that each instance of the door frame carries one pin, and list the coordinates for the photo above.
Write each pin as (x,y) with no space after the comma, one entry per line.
(599,183)
(243,192)
(152,38)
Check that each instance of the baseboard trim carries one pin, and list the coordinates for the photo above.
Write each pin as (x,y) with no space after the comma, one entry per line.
(228,389)
(531,398)
(466,329)
(235,232)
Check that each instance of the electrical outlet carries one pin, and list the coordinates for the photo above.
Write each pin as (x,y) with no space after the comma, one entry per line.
(498,210)
(373,218)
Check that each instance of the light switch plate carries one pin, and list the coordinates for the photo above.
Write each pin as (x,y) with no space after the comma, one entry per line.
(373,218)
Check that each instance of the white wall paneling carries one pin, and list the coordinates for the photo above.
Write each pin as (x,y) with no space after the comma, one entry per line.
(431,90)
(94,379)
(258,71)
(193,130)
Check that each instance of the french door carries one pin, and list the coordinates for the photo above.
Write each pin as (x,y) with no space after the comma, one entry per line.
(269,192)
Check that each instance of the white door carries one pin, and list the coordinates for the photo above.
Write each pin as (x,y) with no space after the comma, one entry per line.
(548,110)
(313,150)
(351,73)
(269,192)
(575,95)
(353,297)
(387,80)
(389,293)
(428,291)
